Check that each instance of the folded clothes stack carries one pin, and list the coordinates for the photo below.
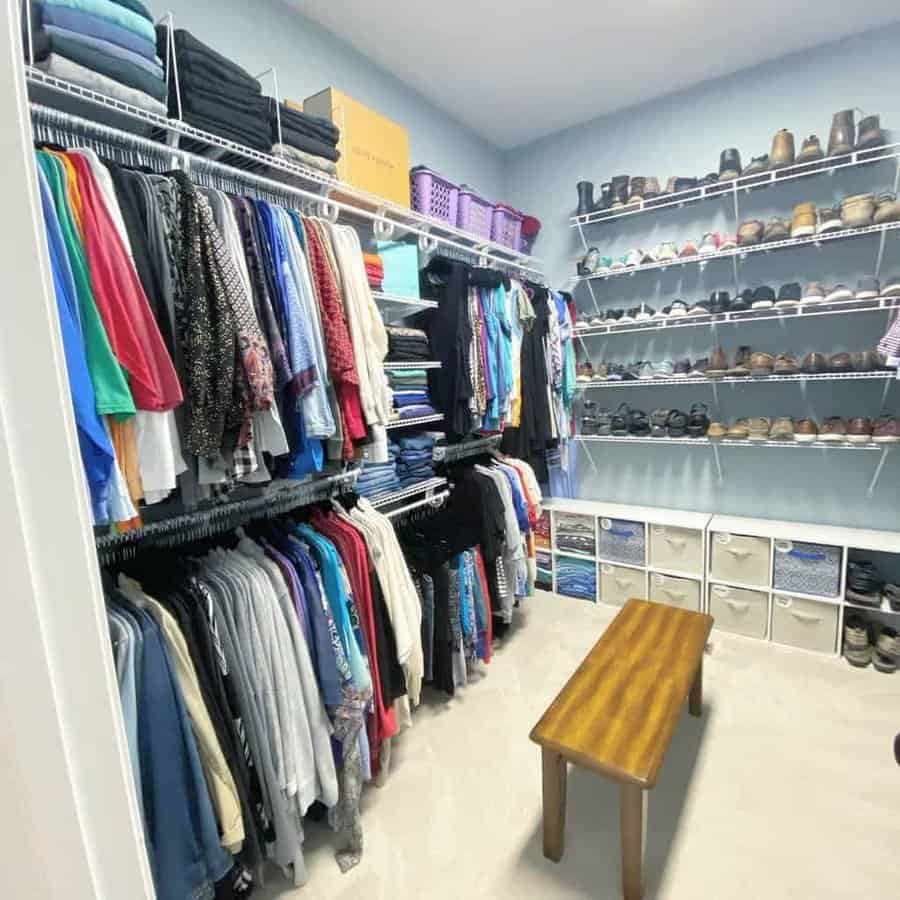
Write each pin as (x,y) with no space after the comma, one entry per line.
(108,47)
(415,458)
(306,139)
(379,478)
(217,95)
(407,344)
(374,270)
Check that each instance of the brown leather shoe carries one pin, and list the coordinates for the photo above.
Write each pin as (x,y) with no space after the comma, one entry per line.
(739,431)
(750,232)
(829,219)
(777,229)
(741,365)
(840,362)
(761,364)
(815,363)
(786,364)
(867,361)
(842,137)
(857,210)
(803,223)
(833,430)
(718,364)
(886,430)
(810,151)
(782,150)
(782,429)
(806,431)
(759,427)
(717,431)
(888,209)
(859,430)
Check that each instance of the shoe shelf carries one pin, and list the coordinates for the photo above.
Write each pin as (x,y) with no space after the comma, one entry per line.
(396,306)
(688,380)
(412,364)
(725,442)
(412,423)
(423,489)
(334,197)
(745,251)
(885,607)
(783,314)
(745,183)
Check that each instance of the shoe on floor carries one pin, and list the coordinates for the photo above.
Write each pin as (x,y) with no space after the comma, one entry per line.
(857,649)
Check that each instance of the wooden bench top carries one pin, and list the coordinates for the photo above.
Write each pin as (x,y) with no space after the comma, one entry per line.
(617,713)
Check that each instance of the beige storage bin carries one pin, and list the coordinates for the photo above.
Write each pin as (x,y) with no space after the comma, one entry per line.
(619,584)
(679,549)
(680,592)
(805,623)
(736,557)
(739,610)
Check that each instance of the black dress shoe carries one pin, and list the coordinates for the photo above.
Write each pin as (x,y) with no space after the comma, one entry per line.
(585,197)
(684,184)
(719,302)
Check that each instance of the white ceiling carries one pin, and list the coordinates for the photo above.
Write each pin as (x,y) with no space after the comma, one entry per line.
(515,70)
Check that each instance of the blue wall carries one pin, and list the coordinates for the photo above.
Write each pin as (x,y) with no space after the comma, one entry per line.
(683,134)
(308,58)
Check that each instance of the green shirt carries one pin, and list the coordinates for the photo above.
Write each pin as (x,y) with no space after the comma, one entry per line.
(108,377)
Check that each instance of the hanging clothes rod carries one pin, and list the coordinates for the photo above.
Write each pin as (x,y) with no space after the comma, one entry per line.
(434,502)
(201,523)
(455,452)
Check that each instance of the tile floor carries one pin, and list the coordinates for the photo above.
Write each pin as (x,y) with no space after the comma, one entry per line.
(786,788)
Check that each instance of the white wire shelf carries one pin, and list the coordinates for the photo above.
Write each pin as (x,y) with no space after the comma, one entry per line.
(396,306)
(413,364)
(884,607)
(744,251)
(409,423)
(746,183)
(788,314)
(688,381)
(319,186)
(423,488)
(706,442)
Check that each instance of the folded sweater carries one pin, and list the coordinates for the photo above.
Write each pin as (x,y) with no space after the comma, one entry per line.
(111,12)
(314,126)
(91,25)
(195,56)
(150,66)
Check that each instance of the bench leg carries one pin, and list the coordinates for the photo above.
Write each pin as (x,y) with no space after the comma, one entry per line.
(633,822)
(695,704)
(554,780)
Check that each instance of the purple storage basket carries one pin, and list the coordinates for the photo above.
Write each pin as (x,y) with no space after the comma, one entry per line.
(506,226)
(474,214)
(433,196)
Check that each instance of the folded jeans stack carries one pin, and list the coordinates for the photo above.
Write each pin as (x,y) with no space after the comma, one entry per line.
(105,46)
(407,344)
(415,458)
(379,478)
(217,95)
(374,270)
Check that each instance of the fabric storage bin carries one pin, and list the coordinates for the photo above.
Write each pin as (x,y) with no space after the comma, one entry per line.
(736,557)
(575,533)
(805,623)
(679,549)
(622,541)
(680,592)
(618,584)
(576,577)
(544,577)
(739,610)
(807,568)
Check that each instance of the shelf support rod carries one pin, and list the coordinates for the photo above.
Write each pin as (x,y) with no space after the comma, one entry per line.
(737,221)
(715,449)
(880,258)
(872,484)
(884,394)
(583,238)
(590,456)
(593,297)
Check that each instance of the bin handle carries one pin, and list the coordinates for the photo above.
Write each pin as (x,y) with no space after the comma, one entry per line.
(676,542)
(738,552)
(623,582)
(738,606)
(807,554)
(805,617)
(621,532)
(675,595)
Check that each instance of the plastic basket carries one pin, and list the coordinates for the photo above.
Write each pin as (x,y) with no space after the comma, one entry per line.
(474,214)
(433,196)
(506,226)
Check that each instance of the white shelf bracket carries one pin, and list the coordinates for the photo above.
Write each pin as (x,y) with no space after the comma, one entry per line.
(383,229)
(427,244)
(325,209)
(873,483)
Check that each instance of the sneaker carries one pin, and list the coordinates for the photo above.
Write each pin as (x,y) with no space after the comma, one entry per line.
(741,365)
(788,295)
(729,242)
(839,292)
(648,371)
(758,428)
(857,649)
(743,301)
(619,421)
(644,313)
(717,431)
(603,422)
(662,313)
(803,223)
(829,219)
(786,364)
(739,431)
(868,288)
(648,257)
(615,372)
(638,423)
(614,315)
(710,243)
(859,430)
(886,657)
(679,308)
(698,369)
(782,429)
(589,418)
(689,249)
(719,302)
(618,264)
(757,165)
(584,372)
(863,583)
(666,369)
(870,133)
(750,233)
(682,368)
(581,323)
(628,315)
(633,257)
(867,361)
(698,421)
(811,150)
(605,265)
(812,293)
(833,431)
(891,287)
(700,308)
(891,593)
(761,364)
(840,362)
(777,229)
(632,371)
(858,210)
(814,363)
(782,152)
(677,424)
(806,431)
(597,321)
(886,430)
(667,251)
(589,262)
(888,208)
(763,298)
(718,364)
(659,419)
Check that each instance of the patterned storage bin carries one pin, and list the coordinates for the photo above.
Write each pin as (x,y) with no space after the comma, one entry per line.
(576,577)
(544,577)
(575,533)
(807,568)
(622,541)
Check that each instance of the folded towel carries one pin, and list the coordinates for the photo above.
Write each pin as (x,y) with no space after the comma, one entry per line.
(86,23)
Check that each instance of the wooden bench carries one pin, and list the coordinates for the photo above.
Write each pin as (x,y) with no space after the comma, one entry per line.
(616,716)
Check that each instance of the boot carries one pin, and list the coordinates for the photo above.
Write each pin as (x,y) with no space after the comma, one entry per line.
(870,133)
(606,196)
(620,191)
(843,133)
(636,189)
(585,197)
(782,150)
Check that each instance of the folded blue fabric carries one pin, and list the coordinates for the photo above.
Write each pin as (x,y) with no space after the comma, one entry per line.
(414,412)
(111,12)
(415,442)
(136,7)
(152,67)
(86,23)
